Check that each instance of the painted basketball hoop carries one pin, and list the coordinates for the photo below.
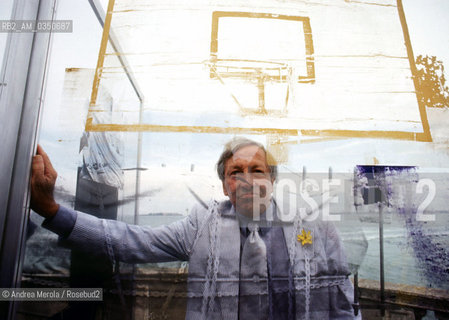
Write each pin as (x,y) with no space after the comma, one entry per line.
(262,48)
(258,71)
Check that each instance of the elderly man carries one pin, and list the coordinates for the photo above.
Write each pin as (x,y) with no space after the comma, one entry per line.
(244,261)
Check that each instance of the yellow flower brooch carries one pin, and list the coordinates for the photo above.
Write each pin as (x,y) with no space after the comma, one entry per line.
(305,237)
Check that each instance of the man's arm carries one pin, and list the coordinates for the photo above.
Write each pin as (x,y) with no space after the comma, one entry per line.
(128,243)
(62,222)
(125,242)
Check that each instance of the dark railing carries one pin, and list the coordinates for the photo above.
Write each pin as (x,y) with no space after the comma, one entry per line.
(162,294)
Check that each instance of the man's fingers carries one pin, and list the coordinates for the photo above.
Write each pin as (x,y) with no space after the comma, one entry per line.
(47,163)
(38,166)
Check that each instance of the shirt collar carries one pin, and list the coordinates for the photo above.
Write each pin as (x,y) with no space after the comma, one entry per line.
(266,218)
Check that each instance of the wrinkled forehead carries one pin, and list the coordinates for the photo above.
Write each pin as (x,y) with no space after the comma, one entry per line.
(248,154)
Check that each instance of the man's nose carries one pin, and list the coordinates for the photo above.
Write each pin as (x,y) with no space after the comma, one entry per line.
(246,178)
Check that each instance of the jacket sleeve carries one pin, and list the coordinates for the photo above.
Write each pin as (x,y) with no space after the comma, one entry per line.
(132,243)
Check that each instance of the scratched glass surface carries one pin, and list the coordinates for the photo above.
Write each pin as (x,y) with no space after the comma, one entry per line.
(135,125)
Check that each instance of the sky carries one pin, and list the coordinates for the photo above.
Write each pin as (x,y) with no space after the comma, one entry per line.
(427,22)
(428,25)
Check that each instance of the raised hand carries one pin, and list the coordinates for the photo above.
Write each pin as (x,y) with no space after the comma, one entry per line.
(43,178)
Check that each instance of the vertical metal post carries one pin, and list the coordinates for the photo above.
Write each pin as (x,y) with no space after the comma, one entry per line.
(139,165)
(137,192)
(356,304)
(23,78)
(381,252)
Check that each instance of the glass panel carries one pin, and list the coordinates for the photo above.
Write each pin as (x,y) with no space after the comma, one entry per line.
(135,127)
(46,263)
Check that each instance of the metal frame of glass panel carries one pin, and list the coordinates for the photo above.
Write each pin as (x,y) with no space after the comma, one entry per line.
(21,96)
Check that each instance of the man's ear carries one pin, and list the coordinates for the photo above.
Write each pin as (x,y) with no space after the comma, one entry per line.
(225,191)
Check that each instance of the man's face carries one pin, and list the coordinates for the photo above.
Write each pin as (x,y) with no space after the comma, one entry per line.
(247,181)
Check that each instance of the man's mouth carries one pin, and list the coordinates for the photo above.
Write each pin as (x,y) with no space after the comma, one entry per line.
(246,195)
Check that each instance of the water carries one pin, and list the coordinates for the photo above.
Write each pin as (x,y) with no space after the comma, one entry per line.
(405,261)
(401,264)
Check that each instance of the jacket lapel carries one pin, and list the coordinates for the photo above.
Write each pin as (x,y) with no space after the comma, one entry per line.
(229,266)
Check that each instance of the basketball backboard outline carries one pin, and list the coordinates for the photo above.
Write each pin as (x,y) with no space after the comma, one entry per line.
(318,133)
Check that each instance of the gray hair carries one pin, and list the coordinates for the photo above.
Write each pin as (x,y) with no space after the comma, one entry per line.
(235,145)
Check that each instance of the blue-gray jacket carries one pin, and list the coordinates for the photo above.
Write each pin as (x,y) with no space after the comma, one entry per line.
(209,239)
